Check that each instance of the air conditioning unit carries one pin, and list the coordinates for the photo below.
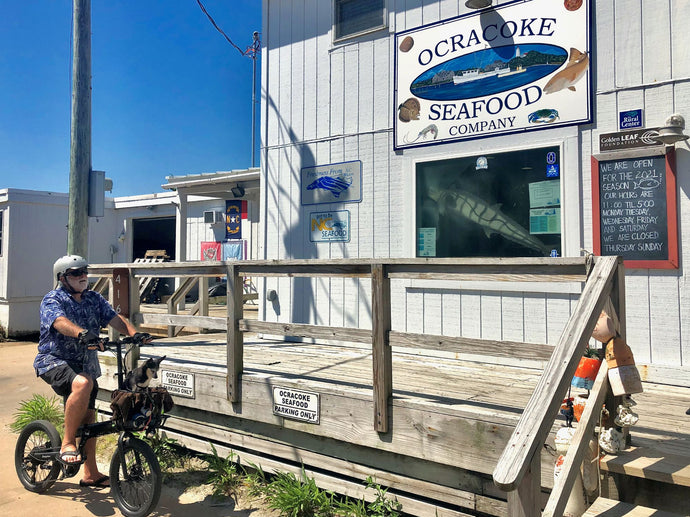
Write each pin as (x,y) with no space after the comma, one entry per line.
(213,217)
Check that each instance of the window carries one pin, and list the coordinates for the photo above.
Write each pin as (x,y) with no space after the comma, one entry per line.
(494,205)
(353,17)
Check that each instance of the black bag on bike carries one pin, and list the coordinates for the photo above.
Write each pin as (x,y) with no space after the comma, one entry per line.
(133,411)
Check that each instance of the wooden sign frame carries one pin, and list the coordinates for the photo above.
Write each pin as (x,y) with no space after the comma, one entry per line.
(671,204)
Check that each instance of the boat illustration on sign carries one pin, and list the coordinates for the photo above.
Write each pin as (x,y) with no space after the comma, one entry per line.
(494,70)
(335,186)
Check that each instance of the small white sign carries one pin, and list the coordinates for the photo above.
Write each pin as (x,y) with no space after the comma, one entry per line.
(178,383)
(333,226)
(296,404)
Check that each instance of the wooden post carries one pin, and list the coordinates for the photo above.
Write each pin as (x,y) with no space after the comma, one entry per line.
(381,350)
(525,501)
(235,343)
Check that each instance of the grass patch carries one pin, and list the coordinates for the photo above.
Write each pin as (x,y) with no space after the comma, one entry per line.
(39,408)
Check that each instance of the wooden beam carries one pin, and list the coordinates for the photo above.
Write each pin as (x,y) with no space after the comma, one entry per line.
(235,344)
(309,331)
(381,350)
(526,500)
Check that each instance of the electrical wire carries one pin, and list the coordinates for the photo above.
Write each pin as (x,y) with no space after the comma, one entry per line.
(250,50)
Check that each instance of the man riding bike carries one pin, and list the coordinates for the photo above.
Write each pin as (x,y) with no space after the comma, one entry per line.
(71,319)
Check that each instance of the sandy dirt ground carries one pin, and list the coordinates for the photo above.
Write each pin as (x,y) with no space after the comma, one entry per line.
(66,498)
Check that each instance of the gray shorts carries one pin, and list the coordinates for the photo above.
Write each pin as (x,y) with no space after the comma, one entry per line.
(60,379)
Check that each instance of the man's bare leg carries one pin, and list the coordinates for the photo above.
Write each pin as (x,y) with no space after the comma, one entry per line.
(75,413)
(91,473)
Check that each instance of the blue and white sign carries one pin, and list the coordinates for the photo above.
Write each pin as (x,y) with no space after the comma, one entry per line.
(519,67)
(333,226)
(334,183)
(631,119)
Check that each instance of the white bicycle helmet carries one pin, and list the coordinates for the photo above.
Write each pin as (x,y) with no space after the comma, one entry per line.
(64,264)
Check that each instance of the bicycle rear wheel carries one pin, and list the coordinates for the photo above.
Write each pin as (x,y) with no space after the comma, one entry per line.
(35,456)
(135,478)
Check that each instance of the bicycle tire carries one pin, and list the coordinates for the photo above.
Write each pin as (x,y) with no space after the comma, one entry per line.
(136,492)
(37,474)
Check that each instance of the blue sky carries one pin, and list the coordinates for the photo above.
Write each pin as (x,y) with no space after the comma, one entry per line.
(169,94)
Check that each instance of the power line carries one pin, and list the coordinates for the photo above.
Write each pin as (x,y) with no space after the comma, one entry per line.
(251,51)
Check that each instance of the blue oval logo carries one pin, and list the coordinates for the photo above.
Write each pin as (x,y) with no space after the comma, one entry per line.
(488,71)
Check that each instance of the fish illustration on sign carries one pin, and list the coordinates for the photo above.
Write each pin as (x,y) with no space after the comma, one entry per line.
(454,201)
(578,63)
(335,186)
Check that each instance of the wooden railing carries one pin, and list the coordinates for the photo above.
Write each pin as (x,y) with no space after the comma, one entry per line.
(518,471)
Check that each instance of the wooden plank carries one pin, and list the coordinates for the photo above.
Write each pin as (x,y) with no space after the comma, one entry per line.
(302,330)
(381,349)
(483,347)
(235,343)
(183,320)
(603,507)
(536,420)
(648,463)
(525,501)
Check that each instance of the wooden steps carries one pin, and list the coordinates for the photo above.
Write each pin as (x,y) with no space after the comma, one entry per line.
(609,508)
(647,463)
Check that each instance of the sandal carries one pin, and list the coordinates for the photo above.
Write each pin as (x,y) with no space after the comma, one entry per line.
(65,456)
(101,482)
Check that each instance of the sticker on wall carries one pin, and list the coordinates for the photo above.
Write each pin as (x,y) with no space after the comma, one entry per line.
(521,66)
(333,226)
(333,183)
(426,242)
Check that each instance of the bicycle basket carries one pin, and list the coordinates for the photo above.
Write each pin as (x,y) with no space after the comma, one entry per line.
(134,411)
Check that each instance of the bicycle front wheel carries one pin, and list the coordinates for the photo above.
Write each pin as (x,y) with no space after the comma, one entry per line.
(135,478)
(35,456)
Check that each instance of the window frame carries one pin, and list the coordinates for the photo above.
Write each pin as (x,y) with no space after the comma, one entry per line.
(341,39)
(570,206)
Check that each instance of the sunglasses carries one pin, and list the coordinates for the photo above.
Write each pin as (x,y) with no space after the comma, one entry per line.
(77,272)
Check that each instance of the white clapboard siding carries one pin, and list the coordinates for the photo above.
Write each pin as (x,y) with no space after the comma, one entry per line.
(327,102)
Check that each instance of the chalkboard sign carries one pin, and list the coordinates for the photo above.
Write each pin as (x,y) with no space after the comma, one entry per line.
(635,212)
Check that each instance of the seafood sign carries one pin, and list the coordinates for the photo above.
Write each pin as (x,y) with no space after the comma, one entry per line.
(490,218)
(338,182)
(523,66)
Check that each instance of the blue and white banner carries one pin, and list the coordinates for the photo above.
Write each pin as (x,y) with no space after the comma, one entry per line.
(521,66)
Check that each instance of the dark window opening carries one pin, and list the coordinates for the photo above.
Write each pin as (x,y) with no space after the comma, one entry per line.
(356,16)
(493,205)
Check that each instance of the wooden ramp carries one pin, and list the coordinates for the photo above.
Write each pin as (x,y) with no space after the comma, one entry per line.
(603,507)
(451,417)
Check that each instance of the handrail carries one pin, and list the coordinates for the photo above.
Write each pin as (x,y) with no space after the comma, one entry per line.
(537,418)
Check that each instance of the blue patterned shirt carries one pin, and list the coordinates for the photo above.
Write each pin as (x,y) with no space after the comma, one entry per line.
(55,349)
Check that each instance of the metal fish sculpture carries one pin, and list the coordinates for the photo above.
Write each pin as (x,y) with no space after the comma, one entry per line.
(490,218)
(335,186)
(578,62)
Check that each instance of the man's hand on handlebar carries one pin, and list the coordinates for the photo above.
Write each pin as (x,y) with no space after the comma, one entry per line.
(142,338)
(91,340)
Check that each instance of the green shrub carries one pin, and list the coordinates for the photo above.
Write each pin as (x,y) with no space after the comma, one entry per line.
(293,497)
(223,474)
(169,452)
(39,408)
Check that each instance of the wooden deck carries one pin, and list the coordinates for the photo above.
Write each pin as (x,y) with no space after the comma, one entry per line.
(451,418)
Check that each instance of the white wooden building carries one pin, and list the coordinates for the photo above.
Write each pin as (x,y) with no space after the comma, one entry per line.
(350,85)
(33,234)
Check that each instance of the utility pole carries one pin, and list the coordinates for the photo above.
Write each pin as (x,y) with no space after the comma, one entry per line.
(252,52)
(80,135)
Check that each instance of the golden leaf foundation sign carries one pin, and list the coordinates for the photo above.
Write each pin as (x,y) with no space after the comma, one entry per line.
(519,67)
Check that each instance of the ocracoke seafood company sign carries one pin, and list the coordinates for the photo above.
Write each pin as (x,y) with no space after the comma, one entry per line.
(519,67)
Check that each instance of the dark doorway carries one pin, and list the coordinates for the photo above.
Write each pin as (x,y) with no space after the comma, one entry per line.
(153,234)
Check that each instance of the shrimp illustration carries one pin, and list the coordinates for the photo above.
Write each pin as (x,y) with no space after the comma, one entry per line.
(431,129)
